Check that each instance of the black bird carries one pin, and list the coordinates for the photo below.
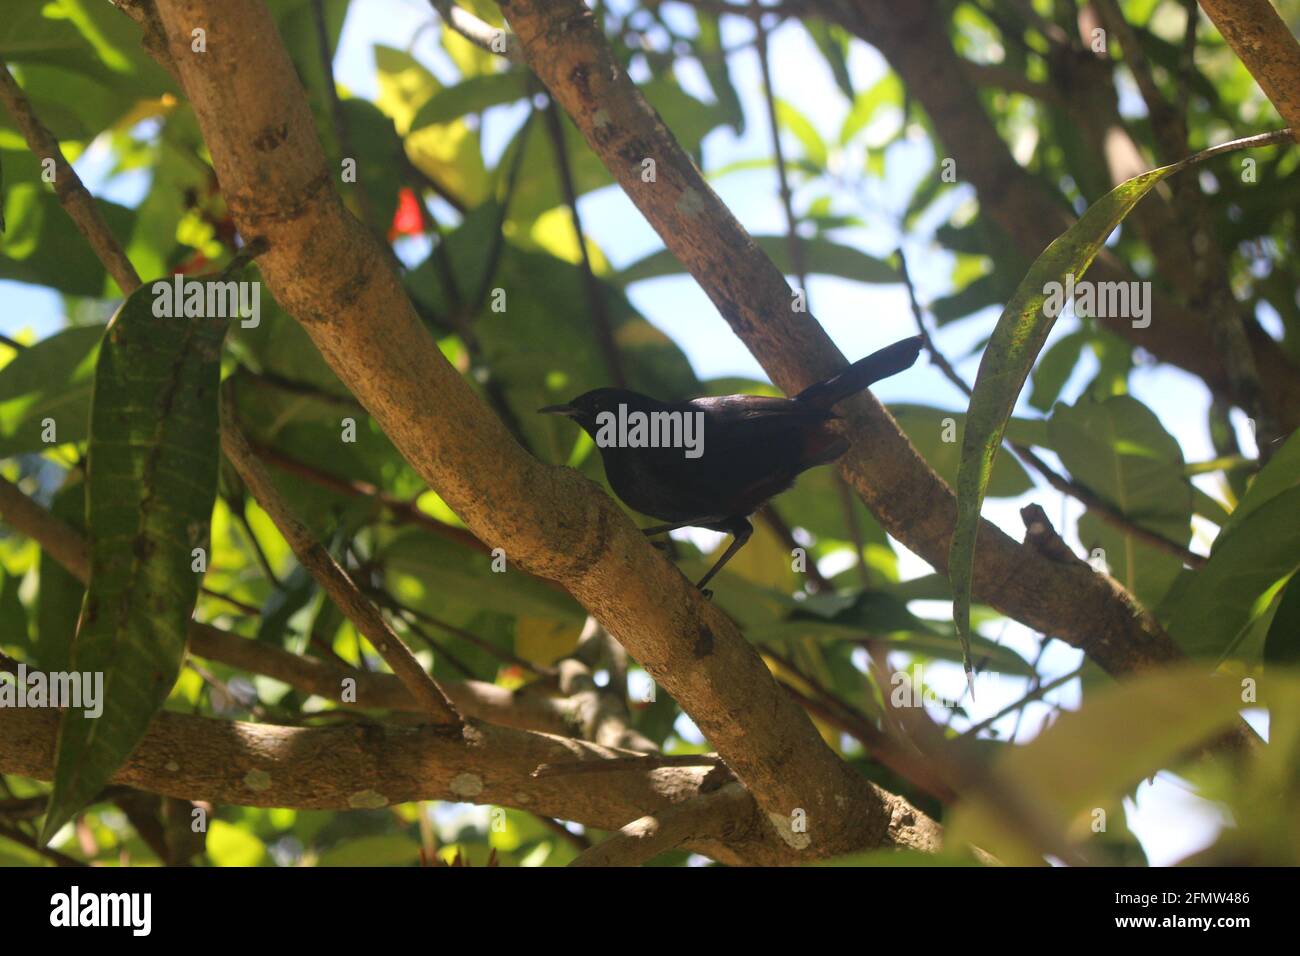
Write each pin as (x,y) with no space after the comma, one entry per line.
(751,447)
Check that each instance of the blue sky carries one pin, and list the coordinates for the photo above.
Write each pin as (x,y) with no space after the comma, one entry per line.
(859,317)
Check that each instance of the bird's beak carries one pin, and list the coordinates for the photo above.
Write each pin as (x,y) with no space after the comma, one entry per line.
(568,410)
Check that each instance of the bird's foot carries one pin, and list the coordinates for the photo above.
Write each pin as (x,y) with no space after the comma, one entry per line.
(708,593)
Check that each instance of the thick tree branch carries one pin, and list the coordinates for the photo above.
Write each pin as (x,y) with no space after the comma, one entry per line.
(669,779)
(601,712)
(565,47)
(708,816)
(329,273)
(1178,234)
(1255,31)
(366,766)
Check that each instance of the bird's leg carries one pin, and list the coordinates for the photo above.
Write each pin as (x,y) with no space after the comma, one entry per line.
(702,522)
(661,529)
(740,529)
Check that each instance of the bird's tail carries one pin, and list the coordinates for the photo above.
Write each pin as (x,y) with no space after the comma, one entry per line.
(890,360)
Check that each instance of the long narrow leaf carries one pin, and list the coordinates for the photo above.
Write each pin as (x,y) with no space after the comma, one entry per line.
(151,482)
(1014,346)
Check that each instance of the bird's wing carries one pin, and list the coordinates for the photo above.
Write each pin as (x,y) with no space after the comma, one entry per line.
(756,407)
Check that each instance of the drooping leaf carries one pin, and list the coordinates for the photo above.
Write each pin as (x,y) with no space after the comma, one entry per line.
(1013,348)
(151,482)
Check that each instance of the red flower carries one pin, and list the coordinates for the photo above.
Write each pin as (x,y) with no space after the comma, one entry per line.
(407,220)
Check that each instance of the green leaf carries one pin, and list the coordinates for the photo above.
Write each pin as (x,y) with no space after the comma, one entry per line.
(833,42)
(717,68)
(58,603)
(1054,370)
(1119,450)
(41,244)
(979,294)
(1013,347)
(51,379)
(821,256)
(151,482)
(455,573)
(472,95)
(231,845)
(886,91)
(1281,474)
(927,431)
(392,849)
(1282,645)
(1248,565)
(790,118)
(1088,758)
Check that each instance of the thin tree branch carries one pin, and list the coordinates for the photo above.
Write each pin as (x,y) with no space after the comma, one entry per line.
(337,116)
(482,35)
(332,578)
(1037,692)
(596,304)
(601,711)
(74,196)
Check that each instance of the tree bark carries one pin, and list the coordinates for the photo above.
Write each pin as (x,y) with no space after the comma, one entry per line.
(328,272)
